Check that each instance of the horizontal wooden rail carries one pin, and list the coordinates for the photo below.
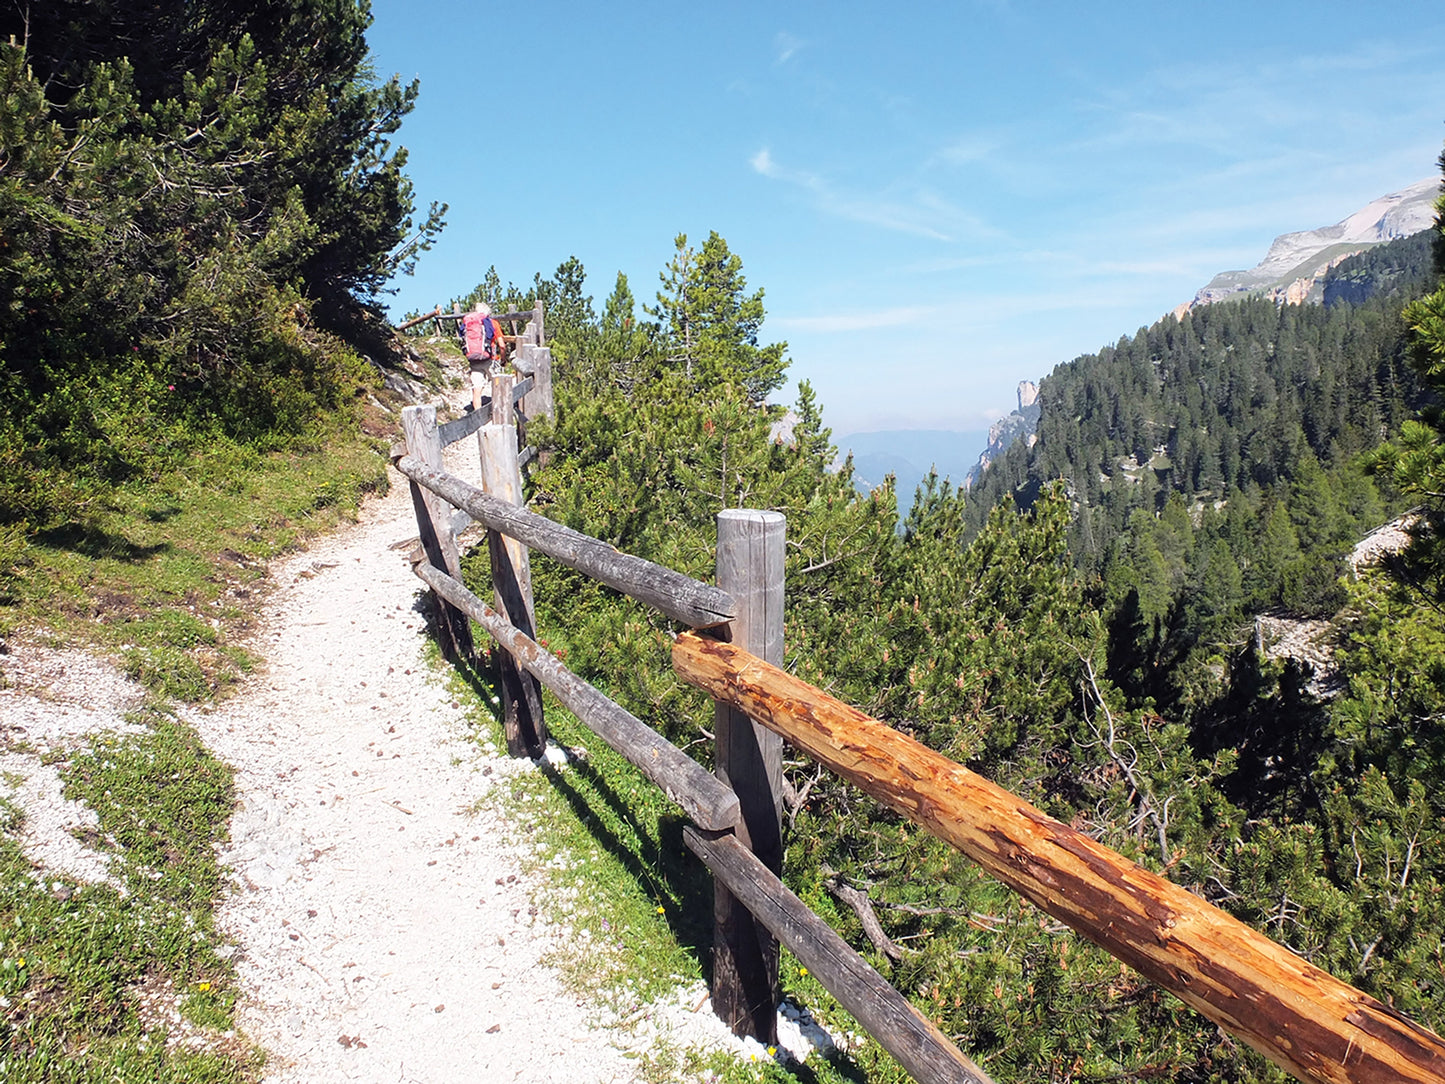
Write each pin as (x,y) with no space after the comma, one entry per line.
(1300,1017)
(701,795)
(472,420)
(516,314)
(467,424)
(434,314)
(682,598)
(885,1013)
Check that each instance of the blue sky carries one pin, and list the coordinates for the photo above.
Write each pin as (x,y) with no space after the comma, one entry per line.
(939,199)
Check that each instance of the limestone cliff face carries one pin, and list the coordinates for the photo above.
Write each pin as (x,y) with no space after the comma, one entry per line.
(1293,269)
(1021,423)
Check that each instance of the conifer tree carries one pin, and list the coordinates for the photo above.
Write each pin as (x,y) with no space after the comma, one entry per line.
(711,323)
(1416,462)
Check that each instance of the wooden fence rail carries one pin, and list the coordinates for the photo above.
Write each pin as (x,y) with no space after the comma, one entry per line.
(1293,1013)
(714,808)
(885,1013)
(1298,1016)
(686,782)
(682,598)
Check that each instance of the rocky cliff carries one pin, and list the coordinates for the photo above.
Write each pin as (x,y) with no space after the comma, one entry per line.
(1020,423)
(1293,270)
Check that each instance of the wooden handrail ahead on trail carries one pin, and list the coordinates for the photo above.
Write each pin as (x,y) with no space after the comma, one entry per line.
(701,795)
(885,1013)
(1300,1017)
(515,315)
(472,420)
(682,598)
(434,314)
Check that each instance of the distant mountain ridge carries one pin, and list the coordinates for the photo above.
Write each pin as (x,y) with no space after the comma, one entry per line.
(1300,268)
(908,455)
(1293,269)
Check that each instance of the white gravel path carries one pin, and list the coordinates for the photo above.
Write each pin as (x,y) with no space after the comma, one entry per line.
(385,931)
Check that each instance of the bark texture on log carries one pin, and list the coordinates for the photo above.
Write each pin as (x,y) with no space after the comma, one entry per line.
(1295,1014)
(682,598)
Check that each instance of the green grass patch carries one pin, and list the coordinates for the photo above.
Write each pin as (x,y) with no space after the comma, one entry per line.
(608,845)
(88,973)
(165,571)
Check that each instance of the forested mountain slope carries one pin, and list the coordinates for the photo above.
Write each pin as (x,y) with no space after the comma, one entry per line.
(1244,419)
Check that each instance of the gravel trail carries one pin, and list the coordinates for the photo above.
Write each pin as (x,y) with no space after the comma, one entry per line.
(384,930)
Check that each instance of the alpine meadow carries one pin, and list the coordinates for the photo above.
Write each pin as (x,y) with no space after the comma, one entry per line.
(201,208)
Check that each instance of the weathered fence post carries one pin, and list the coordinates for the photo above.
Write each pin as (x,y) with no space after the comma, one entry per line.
(534,358)
(745,989)
(434,523)
(511,577)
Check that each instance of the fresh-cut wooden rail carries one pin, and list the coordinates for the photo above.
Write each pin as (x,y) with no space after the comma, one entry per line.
(701,795)
(682,598)
(886,1014)
(1295,1014)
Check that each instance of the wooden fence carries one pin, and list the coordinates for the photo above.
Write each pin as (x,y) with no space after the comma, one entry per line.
(1300,1017)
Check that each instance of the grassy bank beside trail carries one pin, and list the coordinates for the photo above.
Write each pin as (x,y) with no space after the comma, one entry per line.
(607,844)
(129,981)
(125,982)
(165,572)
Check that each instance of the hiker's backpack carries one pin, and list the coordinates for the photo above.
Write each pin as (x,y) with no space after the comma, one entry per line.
(482,337)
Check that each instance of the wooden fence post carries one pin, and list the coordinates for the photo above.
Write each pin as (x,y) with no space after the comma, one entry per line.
(539,403)
(522,720)
(434,523)
(536,362)
(745,989)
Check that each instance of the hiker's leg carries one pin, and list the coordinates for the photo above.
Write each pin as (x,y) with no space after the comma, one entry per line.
(480,380)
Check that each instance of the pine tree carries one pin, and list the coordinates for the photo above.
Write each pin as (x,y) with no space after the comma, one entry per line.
(711,324)
(1416,462)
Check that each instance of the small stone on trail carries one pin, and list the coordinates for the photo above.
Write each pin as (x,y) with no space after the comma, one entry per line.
(439,1008)
(494,1029)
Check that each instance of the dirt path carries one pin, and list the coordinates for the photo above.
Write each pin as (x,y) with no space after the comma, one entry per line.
(384,930)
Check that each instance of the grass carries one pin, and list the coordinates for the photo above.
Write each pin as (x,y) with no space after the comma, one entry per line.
(90,973)
(164,573)
(608,846)
(129,982)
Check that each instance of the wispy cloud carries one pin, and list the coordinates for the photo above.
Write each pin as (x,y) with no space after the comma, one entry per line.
(970,149)
(855,320)
(1248,109)
(918,210)
(785,47)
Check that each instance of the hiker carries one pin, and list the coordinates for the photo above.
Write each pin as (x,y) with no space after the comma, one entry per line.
(485,348)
